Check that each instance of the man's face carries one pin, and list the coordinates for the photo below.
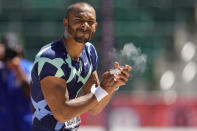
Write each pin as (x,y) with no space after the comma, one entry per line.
(81,24)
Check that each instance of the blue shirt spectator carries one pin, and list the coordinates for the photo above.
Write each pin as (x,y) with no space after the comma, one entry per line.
(15,111)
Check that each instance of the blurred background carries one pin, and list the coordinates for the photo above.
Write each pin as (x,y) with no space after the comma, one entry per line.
(156,37)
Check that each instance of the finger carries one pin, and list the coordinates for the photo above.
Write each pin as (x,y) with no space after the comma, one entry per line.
(123,77)
(108,78)
(116,64)
(128,67)
(112,78)
(105,74)
(125,72)
(119,82)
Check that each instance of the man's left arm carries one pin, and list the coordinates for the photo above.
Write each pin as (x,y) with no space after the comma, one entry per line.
(122,77)
(86,89)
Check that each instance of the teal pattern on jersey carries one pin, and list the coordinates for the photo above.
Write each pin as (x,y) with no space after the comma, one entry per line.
(77,72)
(53,60)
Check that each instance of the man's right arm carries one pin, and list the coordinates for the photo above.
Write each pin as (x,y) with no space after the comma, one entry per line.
(55,92)
(57,97)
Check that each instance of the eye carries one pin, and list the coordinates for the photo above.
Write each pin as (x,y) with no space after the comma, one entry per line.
(91,22)
(77,21)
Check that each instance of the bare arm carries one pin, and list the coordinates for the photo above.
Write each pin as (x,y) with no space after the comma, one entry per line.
(55,92)
(56,95)
(24,82)
(122,78)
(86,89)
(14,65)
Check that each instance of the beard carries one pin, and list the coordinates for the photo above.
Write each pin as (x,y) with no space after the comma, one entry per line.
(80,39)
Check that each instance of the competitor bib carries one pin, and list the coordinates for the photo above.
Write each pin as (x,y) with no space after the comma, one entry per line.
(73,123)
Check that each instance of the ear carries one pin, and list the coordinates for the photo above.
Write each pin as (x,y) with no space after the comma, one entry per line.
(96,24)
(65,23)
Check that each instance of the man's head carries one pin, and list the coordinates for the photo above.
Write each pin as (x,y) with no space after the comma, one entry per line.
(80,22)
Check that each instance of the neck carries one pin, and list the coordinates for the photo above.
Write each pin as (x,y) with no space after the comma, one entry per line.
(73,48)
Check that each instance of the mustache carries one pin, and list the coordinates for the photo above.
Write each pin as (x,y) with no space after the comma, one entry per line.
(84,31)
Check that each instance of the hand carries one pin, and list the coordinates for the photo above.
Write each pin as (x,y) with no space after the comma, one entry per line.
(14,64)
(123,76)
(107,82)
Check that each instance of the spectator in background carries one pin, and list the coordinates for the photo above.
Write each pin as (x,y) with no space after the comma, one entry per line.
(15,110)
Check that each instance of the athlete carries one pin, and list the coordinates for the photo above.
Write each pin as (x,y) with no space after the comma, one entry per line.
(63,68)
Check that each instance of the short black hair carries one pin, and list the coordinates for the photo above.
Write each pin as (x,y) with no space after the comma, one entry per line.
(73,6)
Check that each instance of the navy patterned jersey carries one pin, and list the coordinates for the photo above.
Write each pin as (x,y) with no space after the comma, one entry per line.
(53,60)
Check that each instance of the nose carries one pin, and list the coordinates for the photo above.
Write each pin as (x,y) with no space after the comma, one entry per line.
(84,25)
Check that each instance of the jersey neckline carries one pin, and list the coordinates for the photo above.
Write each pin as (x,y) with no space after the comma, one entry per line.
(81,54)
